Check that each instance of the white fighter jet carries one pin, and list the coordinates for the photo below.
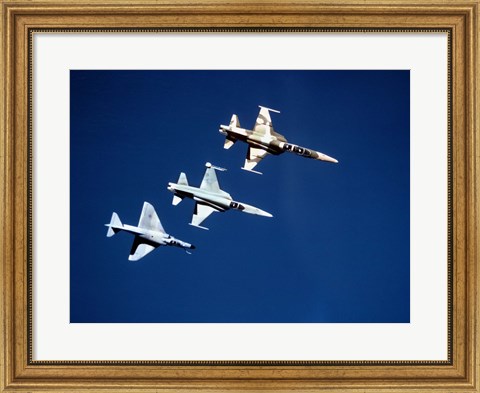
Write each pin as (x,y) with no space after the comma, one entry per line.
(263,140)
(149,234)
(209,197)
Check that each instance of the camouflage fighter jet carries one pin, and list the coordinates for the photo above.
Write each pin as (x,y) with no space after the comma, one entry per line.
(263,140)
(209,197)
(149,234)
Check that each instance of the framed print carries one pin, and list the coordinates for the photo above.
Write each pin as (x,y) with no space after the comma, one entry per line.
(346,256)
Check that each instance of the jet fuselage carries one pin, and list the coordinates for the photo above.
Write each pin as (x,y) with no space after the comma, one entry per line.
(220,201)
(268,143)
(159,238)
(272,144)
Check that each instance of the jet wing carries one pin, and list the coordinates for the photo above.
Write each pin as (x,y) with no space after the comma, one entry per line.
(210,181)
(149,219)
(254,156)
(140,248)
(200,214)
(263,125)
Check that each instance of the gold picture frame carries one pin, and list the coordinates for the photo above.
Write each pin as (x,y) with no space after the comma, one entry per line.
(20,20)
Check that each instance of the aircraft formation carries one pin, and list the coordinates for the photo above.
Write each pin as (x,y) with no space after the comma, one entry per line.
(209,197)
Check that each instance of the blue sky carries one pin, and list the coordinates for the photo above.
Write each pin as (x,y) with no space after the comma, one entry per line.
(337,248)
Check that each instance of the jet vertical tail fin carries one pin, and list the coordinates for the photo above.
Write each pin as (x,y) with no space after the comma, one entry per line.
(182,179)
(234,121)
(115,225)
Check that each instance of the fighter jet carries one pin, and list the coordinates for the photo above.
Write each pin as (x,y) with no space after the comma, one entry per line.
(263,140)
(149,234)
(209,197)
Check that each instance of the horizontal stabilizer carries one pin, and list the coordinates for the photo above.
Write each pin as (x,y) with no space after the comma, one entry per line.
(182,179)
(176,200)
(229,142)
(115,225)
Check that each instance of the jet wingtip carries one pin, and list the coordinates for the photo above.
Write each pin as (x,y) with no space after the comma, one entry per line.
(147,204)
(198,226)
(219,168)
(251,170)
(269,109)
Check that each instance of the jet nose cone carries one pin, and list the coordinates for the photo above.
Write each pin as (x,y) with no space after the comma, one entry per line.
(324,157)
(255,210)
(192,247)
(264,213)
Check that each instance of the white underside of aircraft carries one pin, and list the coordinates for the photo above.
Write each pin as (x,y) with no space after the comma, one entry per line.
(209,197)
(149,234)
